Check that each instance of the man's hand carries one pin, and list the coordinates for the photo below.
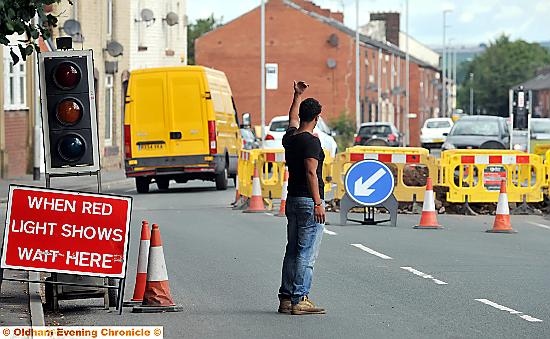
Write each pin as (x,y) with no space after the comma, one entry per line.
(300,87)
(319,214)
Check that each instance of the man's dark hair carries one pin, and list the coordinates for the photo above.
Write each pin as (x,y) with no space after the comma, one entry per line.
(309,109)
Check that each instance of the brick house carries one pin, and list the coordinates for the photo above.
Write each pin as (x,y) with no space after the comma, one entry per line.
(540,85)
(311,43)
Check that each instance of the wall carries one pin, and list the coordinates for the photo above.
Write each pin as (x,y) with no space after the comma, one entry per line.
(155,43)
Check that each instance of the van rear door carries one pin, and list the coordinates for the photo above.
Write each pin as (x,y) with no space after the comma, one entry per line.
(148,115)
(188,113)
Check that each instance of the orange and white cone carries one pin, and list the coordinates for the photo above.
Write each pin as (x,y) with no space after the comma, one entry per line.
(256,202)
(502,222)
(157,297)
(143,257)
(237,194)
(284,194)
(428,219)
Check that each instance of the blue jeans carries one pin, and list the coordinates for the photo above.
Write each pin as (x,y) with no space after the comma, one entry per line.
(302,248)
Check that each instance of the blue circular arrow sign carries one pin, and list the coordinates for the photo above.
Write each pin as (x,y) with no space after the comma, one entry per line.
(369,182)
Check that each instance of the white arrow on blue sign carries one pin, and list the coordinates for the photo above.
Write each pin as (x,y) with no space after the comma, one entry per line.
(369,182)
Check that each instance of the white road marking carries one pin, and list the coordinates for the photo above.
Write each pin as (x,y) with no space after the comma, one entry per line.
(371,251)
(329,232)
(509,310)
(539,225)
(424,275)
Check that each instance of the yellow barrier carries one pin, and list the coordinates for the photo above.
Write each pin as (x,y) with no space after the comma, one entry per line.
(245,170)
(271,167)
(410,166)
(475,175)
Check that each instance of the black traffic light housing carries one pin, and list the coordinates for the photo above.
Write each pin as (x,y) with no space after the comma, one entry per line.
(69,116)
(521,108)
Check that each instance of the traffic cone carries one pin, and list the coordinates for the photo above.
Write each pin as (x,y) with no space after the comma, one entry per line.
(502,222)
(256,203)
(157,297)
(237,194)
(428,219)
(143,257)
(284,194)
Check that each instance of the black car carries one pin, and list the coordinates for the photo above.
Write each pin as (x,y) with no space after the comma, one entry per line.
(478,131)
(378,134)
(249,139)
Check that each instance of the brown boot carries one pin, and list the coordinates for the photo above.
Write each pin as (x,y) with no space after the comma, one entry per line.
(285,306)
(306,306)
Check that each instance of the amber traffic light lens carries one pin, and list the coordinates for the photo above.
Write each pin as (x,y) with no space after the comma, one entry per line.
(68,112)
(66,75)
(71,147)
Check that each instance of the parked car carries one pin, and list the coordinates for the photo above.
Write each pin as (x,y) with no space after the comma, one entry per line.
(249,139)
(279,125)
(378,134)
(540,137)
(478,131)
(434,131)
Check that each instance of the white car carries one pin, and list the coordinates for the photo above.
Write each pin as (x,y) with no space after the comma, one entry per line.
(279,125)
(435,131)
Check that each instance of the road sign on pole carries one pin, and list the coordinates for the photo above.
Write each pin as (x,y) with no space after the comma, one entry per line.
(369,182)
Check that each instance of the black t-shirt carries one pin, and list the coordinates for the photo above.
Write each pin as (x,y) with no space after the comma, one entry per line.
(298,147)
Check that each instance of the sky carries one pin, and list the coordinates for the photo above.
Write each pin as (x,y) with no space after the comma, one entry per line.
(470,22)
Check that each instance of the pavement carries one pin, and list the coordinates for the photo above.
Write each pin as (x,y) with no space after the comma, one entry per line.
(20,302)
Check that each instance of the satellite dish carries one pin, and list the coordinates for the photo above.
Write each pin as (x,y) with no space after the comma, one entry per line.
(114,48)
(333,40)
(331,63)
(72,27)
(171,19)
(147,15)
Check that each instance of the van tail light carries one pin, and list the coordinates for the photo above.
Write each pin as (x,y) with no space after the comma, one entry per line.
(357,139)
(391,137)
(269,137)
(127,142)
(212,137)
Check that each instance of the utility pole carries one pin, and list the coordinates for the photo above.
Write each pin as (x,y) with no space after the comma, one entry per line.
(262,71)
(471,93)
(357,70)
(407,71)
(444,66)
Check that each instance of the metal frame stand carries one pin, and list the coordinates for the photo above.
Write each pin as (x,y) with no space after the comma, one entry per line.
(390,204)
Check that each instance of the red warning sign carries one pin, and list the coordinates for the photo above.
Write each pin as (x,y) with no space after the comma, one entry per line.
(66,232)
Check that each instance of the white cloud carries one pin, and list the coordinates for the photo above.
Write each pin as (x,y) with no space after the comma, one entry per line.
(466,17)
(542,6)
(509,12)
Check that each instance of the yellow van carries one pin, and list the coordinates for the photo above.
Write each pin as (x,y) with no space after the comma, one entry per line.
(180,123)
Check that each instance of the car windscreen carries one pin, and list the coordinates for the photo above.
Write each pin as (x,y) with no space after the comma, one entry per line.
(476,127)
(540,126)
(279,126)
(375,130)
(438,124)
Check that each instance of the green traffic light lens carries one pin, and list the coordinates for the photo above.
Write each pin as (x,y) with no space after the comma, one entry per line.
(71,147)
(66,75)
(68,112)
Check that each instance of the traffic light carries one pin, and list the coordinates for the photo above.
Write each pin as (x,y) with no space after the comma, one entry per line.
(69,117)
(520,108)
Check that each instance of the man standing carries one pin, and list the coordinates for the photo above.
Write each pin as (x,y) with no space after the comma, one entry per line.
(305,209)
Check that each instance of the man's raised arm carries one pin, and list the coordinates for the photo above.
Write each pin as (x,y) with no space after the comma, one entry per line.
(299,88)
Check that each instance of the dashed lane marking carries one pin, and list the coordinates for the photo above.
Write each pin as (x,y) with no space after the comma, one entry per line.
(509,310)
(424,275)
(329,232)
(371,251)
(539,225)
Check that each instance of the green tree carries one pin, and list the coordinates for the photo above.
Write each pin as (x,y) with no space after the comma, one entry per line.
(196,30)
(504,64)
(17,17)
(344,126)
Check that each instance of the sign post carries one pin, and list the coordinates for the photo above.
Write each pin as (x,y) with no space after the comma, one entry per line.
(67,232)
(369,184)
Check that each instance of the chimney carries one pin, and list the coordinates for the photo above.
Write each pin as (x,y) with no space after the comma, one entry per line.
(391,20)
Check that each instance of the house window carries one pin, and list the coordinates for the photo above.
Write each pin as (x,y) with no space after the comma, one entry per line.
(109,18)
(109,105)
(15,83)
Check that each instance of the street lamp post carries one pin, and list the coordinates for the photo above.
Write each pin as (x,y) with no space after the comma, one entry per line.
(471,93)
(407,74)
(357,70)
(444,66)
(262,69)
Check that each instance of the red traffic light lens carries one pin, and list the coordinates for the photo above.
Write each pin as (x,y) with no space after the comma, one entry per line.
(68,112)
(71,147)
(66,75)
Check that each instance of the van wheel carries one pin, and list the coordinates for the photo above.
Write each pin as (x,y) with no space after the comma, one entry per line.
(162,183)
(142,184)
(221,180)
